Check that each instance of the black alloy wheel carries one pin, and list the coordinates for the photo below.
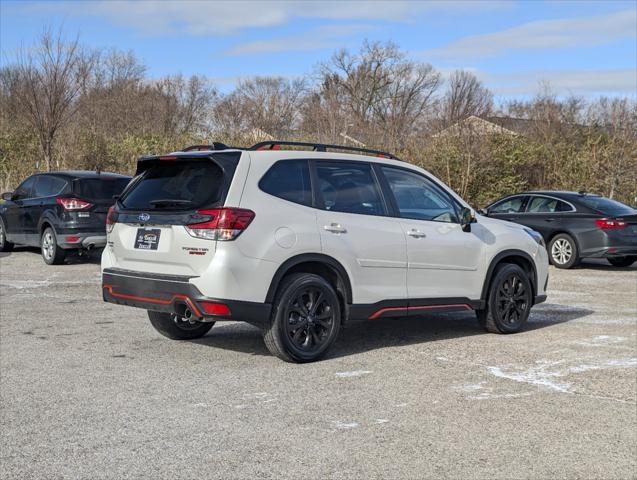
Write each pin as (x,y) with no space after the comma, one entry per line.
(305,320)
(310,318)
(509,302)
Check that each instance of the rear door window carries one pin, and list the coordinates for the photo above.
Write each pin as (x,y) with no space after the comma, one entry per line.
(177,185)
(48,186)
(100,188)
(349,187)
(289,180)
(547,205)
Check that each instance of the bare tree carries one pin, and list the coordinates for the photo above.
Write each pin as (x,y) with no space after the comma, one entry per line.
(465,96)
(268,104)
(384,95)
(50,78)
(613,123)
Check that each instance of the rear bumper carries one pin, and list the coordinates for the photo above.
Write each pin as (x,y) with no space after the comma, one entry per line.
(81,240)
(172,294)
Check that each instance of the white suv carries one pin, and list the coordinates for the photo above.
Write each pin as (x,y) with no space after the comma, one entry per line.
(300,242)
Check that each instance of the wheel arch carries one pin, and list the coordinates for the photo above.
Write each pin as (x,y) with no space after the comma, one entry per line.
(46,220)
(517,257)
(562,232)
(324,265)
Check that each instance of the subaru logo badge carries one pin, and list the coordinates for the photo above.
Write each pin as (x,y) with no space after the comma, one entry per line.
(144,217)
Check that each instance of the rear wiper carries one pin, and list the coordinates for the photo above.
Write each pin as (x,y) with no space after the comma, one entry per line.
(169,202)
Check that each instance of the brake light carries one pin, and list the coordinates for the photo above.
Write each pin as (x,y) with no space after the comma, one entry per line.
(224,223)
(111,219)
(73,204)
(608,224)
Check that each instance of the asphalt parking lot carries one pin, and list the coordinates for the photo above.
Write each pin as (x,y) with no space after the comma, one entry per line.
(90,390)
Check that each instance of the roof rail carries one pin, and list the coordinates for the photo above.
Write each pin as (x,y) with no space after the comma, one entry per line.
(203,148)
(319,147)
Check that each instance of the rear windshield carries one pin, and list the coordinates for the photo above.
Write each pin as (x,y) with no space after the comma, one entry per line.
(177,185)
(100,188)
(606,206)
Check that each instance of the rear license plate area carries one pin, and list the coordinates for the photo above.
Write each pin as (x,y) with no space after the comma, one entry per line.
(147,238)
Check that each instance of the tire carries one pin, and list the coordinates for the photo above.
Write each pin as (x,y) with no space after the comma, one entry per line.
(622,261)
(305,320)
(176,328)
(52,254)
(4,245)
(509,301)
(563,252)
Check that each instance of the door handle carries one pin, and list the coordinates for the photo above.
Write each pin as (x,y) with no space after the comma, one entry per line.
(549,219)
(416,233)
(334,228)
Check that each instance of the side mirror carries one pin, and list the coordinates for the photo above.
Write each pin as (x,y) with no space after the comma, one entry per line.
(7,195)
(467,217)
(483,211)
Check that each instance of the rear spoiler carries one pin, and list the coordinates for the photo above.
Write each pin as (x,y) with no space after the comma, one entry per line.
(226,160)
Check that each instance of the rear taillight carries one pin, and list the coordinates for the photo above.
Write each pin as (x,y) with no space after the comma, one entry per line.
(111,219)
(224,224)
(73,204)
(607,224)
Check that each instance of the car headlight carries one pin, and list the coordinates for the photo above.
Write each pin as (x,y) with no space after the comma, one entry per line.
(535,236)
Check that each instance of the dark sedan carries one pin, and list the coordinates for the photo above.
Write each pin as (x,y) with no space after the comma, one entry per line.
(574,225)
(59,212)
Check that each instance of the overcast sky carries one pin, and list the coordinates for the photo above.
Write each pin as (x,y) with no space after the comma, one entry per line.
(581,47)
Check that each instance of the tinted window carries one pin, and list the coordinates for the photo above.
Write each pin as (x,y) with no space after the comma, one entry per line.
(290,180)
(349,187)
(100,188)
(547,205)
(418,197)
(48,186)
(25,190)
(606,205)
(177,185)
(511,205)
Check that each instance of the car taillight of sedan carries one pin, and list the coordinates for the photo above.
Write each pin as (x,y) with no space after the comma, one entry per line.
(609,223)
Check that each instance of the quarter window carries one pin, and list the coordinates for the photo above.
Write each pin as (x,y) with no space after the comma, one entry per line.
(419,198)
(289,180)
(349,187)
(511,205)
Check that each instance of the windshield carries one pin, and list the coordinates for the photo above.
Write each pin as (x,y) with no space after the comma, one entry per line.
(100,188)
(606,206)
(176,185)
